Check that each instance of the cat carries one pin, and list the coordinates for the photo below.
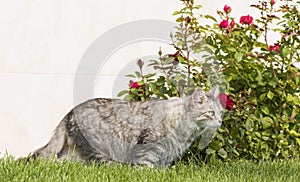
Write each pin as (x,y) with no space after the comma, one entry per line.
(152,133)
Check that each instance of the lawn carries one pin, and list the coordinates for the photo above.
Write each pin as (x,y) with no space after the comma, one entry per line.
(42,170)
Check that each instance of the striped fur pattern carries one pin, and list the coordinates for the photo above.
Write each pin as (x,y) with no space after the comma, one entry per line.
(152,133)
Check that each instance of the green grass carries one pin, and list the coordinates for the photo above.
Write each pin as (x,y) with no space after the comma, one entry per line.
(41,170)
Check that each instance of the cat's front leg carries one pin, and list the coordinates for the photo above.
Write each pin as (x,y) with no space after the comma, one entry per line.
(151,155)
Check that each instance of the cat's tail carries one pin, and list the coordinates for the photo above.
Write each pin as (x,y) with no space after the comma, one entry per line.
(57,144)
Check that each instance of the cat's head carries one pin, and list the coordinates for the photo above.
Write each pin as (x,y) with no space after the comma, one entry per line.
(206,108)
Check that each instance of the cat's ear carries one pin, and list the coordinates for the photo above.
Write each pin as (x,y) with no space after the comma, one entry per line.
(198,96)
(214,92)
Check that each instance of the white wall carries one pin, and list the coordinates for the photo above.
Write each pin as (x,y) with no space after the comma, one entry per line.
(42,43)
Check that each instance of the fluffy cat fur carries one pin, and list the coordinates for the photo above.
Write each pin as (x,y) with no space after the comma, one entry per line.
(152,133)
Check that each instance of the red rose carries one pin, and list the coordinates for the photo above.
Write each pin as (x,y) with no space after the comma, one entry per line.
(232,23)
(272,2)
(134,85)
(246,19)
(225,101)
(275,48)
(224,24)
(227,8)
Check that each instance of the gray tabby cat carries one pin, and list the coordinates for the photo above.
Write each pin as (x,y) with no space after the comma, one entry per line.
(152,133)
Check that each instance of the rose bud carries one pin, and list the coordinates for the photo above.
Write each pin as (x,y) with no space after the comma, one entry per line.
(227,8)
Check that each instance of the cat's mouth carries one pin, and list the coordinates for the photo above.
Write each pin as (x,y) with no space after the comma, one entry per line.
(203,121)
(214,124)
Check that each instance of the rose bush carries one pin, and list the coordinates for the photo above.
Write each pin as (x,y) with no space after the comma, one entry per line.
(262,85)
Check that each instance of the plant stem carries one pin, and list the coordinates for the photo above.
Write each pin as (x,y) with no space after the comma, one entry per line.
(185,37)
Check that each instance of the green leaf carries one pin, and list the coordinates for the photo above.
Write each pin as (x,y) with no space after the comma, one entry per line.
(270,95)
(273,83)
(134,90)
(176,13)
(180,77)
(180,19)
(266,122)
(236,152)
(257,134)
(248,125)
(169,60)
(228,78)
(210,151)
(238,56)
(149,75)
(160,83)
(222,153)
(138,74)
(131,75)
(221,130)
(232,49)
(296,100)
(285,52)
(123,92)
(259,76)
(140,83)
(265,138)
(180,43)
(262,97)
(129,97)
(289,97)
(265,110)
(215,145)
(180,59)
(210,17)
(152,86)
